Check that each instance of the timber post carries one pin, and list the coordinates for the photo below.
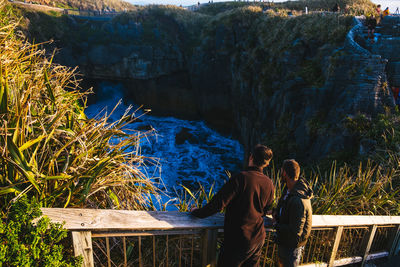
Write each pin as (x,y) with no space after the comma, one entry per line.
(82,241)
(338,237)
(394,242)
(372,231)
(209,248)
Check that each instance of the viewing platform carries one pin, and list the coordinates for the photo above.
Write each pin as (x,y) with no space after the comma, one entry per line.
(155,238)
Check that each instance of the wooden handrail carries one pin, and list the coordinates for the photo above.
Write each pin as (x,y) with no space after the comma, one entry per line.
(103,219)
(88,223)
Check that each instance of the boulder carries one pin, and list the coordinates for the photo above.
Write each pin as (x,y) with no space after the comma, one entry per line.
(185,135)
(145,128)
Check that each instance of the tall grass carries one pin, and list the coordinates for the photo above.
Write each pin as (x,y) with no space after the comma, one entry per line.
(367,189)
(353,7)
(266,41)
(49,149)
(117,5)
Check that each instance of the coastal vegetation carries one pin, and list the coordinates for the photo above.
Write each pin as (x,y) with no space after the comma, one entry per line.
(352,7)
(50,150)
(270,35)
(371,188)
(53,154)
(22,244)
(98,5)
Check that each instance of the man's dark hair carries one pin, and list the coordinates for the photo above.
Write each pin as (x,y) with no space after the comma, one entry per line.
(291,168)
(261,154)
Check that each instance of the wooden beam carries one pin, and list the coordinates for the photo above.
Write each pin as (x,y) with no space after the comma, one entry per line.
(144,233)
(335,247)
(372,232)
(97,219)
(347,261)
(353,220)
(82,242)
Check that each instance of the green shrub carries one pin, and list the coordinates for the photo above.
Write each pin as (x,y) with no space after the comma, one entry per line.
(26,240)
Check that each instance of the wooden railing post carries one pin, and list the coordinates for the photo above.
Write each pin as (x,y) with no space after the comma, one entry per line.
(82,241)
(372,231)
(209,248)
(335,247)
(397,248)
(394,242)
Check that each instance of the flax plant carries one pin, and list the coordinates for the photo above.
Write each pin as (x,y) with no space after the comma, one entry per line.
(49,149)
(371,188)
(190,198)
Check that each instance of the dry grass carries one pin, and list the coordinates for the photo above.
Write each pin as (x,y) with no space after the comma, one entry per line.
(49,149)
(352,7)
(116,5)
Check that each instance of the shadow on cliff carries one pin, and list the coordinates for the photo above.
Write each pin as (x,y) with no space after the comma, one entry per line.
(289,82)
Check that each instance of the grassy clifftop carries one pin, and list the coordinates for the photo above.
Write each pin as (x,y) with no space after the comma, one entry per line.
(116,5)
(353,7)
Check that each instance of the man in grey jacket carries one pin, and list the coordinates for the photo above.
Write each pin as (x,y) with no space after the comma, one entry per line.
(293,215)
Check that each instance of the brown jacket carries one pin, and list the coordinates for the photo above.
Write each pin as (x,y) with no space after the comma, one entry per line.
(247,197)
(294,216)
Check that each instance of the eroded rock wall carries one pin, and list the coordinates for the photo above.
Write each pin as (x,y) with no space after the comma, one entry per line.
(298,110)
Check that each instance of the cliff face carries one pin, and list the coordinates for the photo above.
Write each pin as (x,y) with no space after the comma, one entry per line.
(244,73)
(291,109)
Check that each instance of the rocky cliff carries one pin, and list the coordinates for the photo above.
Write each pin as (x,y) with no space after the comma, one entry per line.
(289,82)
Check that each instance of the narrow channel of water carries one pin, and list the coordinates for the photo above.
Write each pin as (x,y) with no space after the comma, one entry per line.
(189,152)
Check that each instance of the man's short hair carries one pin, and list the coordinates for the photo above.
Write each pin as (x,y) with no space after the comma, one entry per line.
(261,154)
(291,168)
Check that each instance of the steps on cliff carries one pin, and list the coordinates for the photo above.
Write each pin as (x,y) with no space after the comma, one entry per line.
(386,42)
(393,71)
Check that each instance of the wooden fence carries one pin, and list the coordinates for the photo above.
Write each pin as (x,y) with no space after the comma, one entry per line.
(151,238)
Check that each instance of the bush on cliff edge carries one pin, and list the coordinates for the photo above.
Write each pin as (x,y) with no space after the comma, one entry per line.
(24,242)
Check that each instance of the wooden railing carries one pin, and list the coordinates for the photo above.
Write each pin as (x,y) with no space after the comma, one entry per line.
(141,238)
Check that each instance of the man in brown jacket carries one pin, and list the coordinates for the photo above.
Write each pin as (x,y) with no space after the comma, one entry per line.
(247,196)
(293,215)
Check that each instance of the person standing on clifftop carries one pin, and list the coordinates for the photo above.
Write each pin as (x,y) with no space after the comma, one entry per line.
(336,8)
(378,10)
(293,215)
(247,197)
(386,12)
(371,25)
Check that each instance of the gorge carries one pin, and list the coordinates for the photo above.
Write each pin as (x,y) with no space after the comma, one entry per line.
(242,71)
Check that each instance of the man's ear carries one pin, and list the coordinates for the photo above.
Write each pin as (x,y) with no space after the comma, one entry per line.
(267,163)
(250,161)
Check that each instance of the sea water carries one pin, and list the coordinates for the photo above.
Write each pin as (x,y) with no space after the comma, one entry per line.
(203,156)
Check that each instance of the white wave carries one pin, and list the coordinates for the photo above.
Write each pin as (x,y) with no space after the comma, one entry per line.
(202,157)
